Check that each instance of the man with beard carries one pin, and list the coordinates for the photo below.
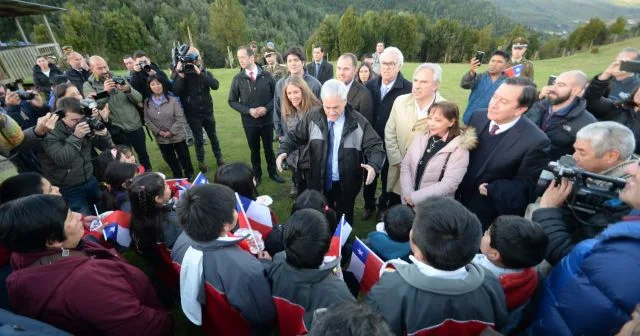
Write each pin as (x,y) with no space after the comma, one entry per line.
(562,112)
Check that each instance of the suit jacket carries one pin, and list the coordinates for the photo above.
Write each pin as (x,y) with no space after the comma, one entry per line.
(360,100)
(325,73)
(382,108)
(511,170)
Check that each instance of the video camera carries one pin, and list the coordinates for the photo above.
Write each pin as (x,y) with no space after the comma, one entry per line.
(181,54)
(592,193)
(87,108)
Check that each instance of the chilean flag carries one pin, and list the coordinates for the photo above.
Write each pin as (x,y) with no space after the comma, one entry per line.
(178,186)
(340,236)
(116,227)
(257,215)
(200,179)
(514,71)
(365,265)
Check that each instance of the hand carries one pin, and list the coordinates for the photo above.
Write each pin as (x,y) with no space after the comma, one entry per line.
(37,101)
(104,132)
(12,98)
(279,161)
(263,255)
(371,173)
(123,88)
(262,110)
(281,138)
(198,70)
(109,85)
(92,95)
(86,221)
(475,64)
(254,113)
(611,70)
(179,66)
(408,200)
(46,124)
(152,72)
(105,112)
(555,195)
(81,130)
(483,189)
(544,92)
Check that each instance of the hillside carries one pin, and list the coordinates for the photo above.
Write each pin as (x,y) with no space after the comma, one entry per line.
(558,16)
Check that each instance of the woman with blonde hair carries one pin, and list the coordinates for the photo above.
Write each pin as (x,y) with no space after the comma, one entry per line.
(297,100)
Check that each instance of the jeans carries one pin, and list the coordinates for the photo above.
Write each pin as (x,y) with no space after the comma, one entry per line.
(178,158)
(196,123)
(254,135)
(82,197)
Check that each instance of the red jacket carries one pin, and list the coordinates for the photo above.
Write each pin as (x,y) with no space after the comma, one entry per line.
(519,287)
(100,295)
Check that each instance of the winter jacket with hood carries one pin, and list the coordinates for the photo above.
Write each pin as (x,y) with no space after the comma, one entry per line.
(95,295)
(42,81)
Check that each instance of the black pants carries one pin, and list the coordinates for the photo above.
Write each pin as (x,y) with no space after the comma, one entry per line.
(136,140)
(196,123)
(254,135)
(177,156)
(387,198)
(340,203)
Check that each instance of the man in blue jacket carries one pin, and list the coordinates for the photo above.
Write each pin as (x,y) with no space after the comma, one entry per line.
(594,288)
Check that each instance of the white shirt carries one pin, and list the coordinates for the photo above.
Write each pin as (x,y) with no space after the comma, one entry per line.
(388,87)
(338,125)
(254,70)
(503,127)
(482,260)
(423,113)
(46,72)
(349,85)
(428,270)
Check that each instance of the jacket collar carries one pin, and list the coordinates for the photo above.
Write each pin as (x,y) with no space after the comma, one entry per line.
(508,141)
(24,260)
(628,228)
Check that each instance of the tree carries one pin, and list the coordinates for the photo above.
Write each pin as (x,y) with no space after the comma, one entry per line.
(326,34)
(618,26)
(228,25)
(40,34)
(349,36)
(403,34)
(124,33)
(80,31)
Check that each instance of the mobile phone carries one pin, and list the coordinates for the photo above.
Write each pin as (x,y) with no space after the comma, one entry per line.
(479,56)
(102,94)
(630,66)
(551,80)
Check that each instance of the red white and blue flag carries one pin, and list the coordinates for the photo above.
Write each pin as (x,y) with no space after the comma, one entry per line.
(200,179)
(514,71)
(365,265)
(339,238)
(178,186)
(257,215)
(116,227)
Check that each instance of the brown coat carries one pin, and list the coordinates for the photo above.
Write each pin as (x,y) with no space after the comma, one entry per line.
(166,117)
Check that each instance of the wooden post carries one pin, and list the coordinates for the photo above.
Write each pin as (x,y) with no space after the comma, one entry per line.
(53,37)
(24,37)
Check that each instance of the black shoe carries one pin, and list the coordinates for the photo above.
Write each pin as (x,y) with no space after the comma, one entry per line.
(367,213)
(276,178)
(203,167)
(380,217)
(220,161)
(258,180)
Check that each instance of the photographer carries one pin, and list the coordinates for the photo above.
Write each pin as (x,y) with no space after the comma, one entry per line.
(142,69)
(604,148)
(125,124)
(193,84)
(20,145)
(66,156)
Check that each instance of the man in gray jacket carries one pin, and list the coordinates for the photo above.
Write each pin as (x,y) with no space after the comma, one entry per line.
(66,156)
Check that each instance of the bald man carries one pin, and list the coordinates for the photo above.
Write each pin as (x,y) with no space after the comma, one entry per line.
(124,122)
(78,73)
(561,112)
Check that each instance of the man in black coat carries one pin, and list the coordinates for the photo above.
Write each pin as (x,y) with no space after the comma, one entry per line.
(561,112)
(511,153)
(77,73)
(359,97)
(251,94)
(143,68)
(342,146)
(384,91)
(319,68)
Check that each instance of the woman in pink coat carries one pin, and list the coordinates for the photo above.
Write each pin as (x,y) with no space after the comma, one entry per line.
(437,160)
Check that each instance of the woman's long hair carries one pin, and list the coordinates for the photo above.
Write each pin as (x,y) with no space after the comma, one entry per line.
(308,98)
(372,74)
(117,178)
(147,215)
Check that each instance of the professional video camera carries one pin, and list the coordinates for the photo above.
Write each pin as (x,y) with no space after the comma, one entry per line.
(592,193)
(181,54)
(87,107)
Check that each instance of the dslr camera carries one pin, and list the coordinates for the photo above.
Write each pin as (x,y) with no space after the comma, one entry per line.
(181,54)
(94,124)
(119,80)
(144,66)
(26,95)
(592,193)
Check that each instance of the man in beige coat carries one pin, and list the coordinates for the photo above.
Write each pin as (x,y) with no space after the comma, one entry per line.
(408,117)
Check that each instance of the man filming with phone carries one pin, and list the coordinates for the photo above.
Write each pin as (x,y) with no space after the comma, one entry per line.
(483,85)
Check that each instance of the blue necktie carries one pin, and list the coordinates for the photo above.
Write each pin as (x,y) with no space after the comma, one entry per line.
(328,174)
(383,92)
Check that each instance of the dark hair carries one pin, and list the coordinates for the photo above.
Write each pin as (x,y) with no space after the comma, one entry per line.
(165,89)
(117,179)
(59,93)
(28,223)
(313,199)
(21,185)
(352,57)
(106,157)
(502,53)
(529,94)
(522,243)
(239,177)
(147,216)
(365,56)
(69,105)
(205,209)
(450,112)
(447,234)
(126,56)
(59,79)
(350,319)
(306,238)
(247,49)
(295,51)
(318,45)
(372,74)
(397,222)
(138,54)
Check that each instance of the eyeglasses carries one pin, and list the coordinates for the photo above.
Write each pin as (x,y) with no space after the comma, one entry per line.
(388,64)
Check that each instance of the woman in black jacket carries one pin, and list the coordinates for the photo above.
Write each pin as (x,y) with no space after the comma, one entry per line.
(603,108)
(43,73)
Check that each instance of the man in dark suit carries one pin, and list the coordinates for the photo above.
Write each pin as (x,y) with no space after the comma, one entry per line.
(78,72)
(319,68)
(512,151)
(384,91)
(359,97)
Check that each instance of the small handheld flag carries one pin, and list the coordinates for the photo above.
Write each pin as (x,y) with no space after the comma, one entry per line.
(116,227)
(243,221)
(200,179)
(514,71)
(365,265)
(258,215)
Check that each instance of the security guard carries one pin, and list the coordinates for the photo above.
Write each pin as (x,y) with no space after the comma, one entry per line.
(518,49)
(277,70)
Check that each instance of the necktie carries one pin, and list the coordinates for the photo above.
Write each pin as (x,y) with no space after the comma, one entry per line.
(253,79)
(494,129)
(317,69)
(328,174)
(383,92)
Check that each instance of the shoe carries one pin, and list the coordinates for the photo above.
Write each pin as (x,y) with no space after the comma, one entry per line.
(203,167)
(258,180)
(294,191)
(380,217)
(220,161)
(276,178)
(367,213)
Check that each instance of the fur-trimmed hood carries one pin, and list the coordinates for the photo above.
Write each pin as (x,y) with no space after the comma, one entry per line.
(468,138)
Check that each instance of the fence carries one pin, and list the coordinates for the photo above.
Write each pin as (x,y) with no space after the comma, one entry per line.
(18,63)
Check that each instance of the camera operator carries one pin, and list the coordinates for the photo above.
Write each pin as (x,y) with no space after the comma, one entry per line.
(142,69)
(193,84)
(125,124)
(66,155)
(604,148)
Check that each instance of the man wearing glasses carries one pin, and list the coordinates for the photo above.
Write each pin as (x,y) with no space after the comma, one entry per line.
(384,90)
(518,49)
